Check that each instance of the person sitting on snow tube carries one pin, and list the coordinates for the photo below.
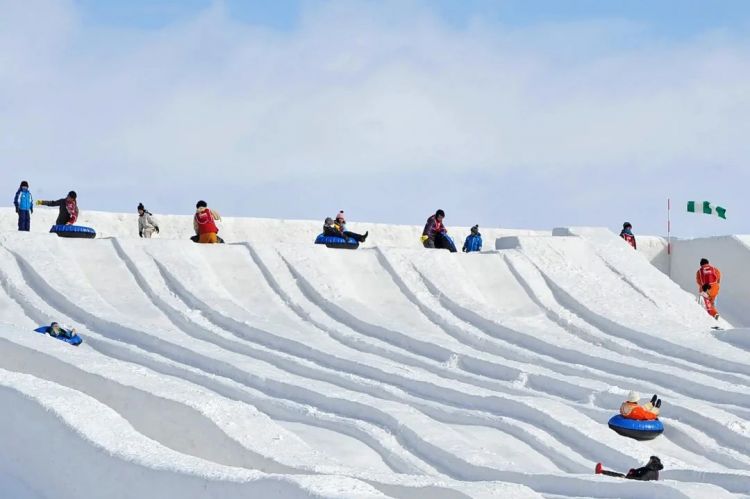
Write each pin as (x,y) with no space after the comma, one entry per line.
(340,223)
(435,235)
(336,228)
(632,410)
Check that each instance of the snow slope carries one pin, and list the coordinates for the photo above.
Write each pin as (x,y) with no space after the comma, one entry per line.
(270,367)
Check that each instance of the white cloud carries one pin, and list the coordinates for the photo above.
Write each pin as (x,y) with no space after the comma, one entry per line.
(359,89)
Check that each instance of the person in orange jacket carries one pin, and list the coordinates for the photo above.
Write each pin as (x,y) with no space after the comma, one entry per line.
(204,223)
(632,410)
(708,304)
(708,274)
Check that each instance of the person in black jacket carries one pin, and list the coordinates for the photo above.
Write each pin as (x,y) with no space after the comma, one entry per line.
(68,208)
(644,473)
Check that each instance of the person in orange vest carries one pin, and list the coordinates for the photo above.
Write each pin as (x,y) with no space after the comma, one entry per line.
(632,410)
(204,223)
(707,303)
(627,234)
(708,274)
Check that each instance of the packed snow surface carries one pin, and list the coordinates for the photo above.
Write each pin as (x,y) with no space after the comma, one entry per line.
(271,367)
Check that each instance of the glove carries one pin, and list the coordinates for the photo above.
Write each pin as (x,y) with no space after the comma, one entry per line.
(156,229)
(140,233)
(38,202)
(424,238)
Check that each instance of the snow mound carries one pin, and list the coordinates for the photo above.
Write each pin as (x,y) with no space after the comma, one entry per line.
(271,367)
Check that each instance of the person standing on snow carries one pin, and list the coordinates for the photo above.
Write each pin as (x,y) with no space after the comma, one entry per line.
(708,304)
(473,241)
(68,208)
(632,410)
(204,223)
(708,274)
(627,234)
(24,203)
(435,235)
(146,223)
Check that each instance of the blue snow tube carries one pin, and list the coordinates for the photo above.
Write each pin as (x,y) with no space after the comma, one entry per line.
(73,231)
(637,429)
(74,340)
(337,242)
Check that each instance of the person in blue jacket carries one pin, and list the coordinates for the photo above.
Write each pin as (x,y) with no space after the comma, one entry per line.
(24,204)
(473,241)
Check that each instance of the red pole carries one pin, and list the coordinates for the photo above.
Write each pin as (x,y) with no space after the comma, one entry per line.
(669,237)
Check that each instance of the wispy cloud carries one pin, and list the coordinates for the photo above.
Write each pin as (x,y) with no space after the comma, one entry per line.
(359,89)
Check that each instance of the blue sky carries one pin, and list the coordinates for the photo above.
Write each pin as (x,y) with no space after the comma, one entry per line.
(526,114)
(671,18)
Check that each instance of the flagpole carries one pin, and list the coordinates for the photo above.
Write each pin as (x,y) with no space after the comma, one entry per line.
(669,239)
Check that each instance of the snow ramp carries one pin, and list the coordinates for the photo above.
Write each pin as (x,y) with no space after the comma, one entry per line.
(292,370)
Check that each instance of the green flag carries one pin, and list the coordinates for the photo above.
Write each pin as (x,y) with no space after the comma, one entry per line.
(707,208)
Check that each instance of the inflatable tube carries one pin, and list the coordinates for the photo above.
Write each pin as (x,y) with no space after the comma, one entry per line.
(73,231)
(75,340)
(337,242)
(634,428)
(195,239)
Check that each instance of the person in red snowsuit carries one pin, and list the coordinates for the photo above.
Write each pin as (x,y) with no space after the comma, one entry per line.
(708,304)
(68,208)
(204,223)
(708,274)
(627,234)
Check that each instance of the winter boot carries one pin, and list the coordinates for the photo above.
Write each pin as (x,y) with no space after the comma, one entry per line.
(653,400)
(658,404)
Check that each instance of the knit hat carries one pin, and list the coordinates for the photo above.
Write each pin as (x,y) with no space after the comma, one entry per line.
(72,195)
(340,215)
(634,396)
(24,183)
(328,221)
(475,229)
(140,207)
(440,213)
(627,225)
(201,204)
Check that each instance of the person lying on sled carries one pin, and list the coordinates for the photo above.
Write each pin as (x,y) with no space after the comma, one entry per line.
(56,330)
(645,473)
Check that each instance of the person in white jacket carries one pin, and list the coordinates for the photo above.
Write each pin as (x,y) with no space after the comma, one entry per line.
(146,222)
